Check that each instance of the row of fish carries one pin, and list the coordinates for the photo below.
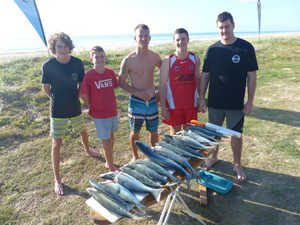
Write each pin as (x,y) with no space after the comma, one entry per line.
(154,174)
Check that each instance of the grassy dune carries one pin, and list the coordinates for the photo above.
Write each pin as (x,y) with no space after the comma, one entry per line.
(271,148)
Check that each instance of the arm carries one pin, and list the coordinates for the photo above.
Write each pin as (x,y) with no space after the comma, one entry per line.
(163,81)
(47,89)
(251,86)
(198,75)
(203,87)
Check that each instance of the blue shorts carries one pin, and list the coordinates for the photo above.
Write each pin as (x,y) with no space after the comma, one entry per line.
(139,110)
(106,127)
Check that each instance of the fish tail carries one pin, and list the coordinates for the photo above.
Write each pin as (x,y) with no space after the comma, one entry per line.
(157,193)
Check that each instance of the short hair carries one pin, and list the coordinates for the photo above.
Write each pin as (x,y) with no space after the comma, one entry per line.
(60,36)
(96,49)
(141,27)
(181,31)
(222,17)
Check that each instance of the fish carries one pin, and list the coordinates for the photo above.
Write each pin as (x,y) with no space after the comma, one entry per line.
(110,205)
(192,143)
(179,151)
(141,177)
(132,184)
(152,174)
(100,188)
(177,158)
(161,170)
(209,134)
(196,137)
(126,195)
(164,161)
(180,144)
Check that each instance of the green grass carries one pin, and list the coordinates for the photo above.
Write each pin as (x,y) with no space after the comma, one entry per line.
(270,156)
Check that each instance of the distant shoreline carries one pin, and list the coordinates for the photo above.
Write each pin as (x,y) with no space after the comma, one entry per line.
(16,55)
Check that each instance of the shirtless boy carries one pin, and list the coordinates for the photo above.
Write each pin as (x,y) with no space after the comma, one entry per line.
(139,67)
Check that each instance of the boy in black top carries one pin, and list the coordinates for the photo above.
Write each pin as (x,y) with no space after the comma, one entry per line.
(61,78)
(229,66)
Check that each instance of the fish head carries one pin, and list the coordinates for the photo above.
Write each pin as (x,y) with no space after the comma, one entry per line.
(144,148)
(108,176)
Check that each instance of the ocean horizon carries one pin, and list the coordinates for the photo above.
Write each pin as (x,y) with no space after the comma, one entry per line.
(112,42)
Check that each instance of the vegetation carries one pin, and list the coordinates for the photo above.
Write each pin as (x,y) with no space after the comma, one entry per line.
(271,147)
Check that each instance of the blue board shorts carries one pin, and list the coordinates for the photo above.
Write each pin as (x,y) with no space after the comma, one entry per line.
(106,127)
(234,118)
(140,111)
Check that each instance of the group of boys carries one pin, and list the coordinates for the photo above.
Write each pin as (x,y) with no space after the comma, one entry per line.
(229,66)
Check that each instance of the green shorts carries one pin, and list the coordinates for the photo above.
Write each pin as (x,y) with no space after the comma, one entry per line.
(59,126)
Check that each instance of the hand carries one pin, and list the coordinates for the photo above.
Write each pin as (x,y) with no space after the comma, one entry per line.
(248,108)
(146,94)
(202,106)
(165,114)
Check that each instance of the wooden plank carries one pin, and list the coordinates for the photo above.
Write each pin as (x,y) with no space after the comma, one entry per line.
(202,194)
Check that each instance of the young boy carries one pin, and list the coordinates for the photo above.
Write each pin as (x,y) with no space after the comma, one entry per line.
(97,91)
(61,79)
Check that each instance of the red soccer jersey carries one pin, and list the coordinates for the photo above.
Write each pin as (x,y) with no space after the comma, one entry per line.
(182,83)
(100,90)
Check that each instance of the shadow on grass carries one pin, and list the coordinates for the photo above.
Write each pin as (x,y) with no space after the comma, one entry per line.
(265,198)
(277,115)
(72,191)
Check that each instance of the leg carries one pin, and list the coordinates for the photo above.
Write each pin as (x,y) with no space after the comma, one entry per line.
(85,141)
(174,129)
(236,145)
(108,153)
(153,138)
(133,137)
(209,162)
(215,116)
(56,144)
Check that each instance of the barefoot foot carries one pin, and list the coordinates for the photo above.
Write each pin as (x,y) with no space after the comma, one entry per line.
(93,152)
(208,163)
(59,188)
(241,176)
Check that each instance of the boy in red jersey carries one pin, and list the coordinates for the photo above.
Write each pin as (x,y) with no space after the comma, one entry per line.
(179,84)
(97,92)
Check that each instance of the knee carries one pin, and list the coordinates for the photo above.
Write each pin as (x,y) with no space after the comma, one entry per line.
(56,143)
(134,135)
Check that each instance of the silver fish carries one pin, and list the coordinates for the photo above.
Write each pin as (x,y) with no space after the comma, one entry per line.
(110,205)
(179,151)
(141,177)
(177,158)
(158,169)
(132,184)
(126,195)
(100,188)
(152,174)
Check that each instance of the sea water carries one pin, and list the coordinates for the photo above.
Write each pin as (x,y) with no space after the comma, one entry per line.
(29,45)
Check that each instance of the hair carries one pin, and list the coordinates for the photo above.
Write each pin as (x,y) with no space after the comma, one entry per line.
(181,31)
(222,17)
(141,27)
(97,49)
(60,36)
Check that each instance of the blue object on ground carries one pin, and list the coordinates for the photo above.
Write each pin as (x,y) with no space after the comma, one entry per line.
(214,182)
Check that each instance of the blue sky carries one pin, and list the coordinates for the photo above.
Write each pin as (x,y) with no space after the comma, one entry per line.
(100,17)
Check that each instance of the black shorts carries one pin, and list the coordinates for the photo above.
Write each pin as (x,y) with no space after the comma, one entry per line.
(234,118)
